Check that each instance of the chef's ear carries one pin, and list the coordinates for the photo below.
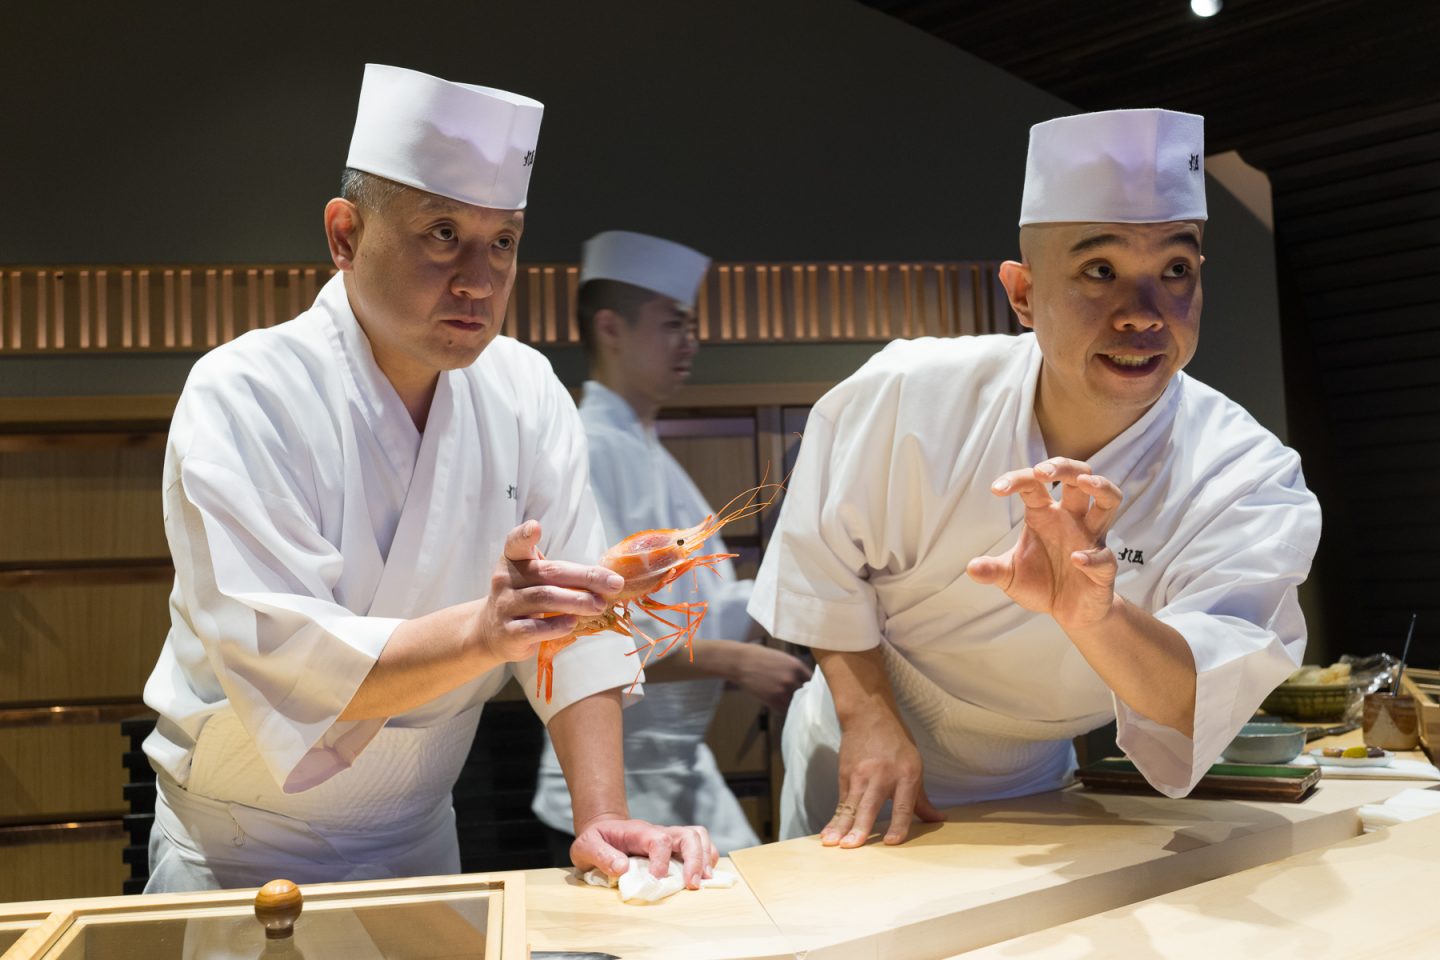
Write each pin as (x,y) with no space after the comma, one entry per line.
(609,326)
(1019,287)
(343,225)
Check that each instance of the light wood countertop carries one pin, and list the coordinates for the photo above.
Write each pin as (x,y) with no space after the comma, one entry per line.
(991,872)
(996,870)
(1371,896)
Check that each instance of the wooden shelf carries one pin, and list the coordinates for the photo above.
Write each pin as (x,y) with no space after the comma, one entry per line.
(86,827)
(85,573)
(32,441)
(68,714)
(99,412)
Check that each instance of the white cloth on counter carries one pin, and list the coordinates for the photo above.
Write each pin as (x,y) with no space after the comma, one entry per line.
(308,517)
(671,776)
(891,499)
(1406,805)
(636,885)
(1399,768)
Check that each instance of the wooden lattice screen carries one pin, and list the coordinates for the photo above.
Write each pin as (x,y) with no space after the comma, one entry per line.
(159,308)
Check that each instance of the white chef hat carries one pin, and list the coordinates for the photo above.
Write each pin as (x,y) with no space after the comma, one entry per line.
(1119,166)
(468,143)
(666,267)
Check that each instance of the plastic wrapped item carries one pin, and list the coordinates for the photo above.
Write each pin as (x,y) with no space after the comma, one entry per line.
(1374,672)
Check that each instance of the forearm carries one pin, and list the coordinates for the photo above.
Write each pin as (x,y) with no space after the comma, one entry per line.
(713,659)
(587,739)
(1145,662)
(859,683)
(424,658)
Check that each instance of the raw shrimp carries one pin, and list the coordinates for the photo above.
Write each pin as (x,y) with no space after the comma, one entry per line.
(650,561)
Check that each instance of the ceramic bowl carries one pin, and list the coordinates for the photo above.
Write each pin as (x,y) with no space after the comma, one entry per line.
(1266,743)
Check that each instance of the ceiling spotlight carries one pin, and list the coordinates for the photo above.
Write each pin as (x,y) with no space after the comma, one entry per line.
(1206,8)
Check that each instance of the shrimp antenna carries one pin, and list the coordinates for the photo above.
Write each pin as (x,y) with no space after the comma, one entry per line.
(752,504)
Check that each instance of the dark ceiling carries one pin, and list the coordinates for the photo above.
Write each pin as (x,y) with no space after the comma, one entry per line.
(1258,70)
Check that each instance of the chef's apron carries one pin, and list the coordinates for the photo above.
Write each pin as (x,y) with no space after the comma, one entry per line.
(389,815)
(970,753)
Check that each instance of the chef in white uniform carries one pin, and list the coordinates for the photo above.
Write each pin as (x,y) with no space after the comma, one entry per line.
(997,543)
(356,501)
(636,306)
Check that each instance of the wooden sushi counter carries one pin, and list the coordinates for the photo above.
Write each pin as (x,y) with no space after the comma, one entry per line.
(992,872)
(1371,896)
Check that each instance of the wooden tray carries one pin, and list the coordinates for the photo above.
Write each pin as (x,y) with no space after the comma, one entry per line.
(1224,781)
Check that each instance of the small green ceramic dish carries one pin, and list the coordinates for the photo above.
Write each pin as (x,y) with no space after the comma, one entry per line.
(1266,743)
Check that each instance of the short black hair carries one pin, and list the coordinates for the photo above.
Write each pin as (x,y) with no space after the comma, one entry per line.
(368,191)
(593,296)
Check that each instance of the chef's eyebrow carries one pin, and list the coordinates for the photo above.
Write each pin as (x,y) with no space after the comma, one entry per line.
(1184,238)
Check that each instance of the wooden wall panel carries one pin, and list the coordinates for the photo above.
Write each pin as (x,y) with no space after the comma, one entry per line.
(84,577)
(57,871)
(53,772)
(73,504)
(69,643)
(722,467)
(118,308)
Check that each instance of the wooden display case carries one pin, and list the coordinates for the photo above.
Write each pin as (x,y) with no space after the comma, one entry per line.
(473,916)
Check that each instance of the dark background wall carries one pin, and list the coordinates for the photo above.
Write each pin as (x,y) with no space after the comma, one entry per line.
(756,129)
(1358,218)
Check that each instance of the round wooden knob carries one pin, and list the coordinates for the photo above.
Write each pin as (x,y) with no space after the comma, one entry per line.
(278,906)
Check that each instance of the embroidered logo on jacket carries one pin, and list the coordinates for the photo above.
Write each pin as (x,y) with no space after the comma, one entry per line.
(1131,555)
(511,491)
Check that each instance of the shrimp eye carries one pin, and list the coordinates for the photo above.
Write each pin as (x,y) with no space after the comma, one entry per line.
(680,542)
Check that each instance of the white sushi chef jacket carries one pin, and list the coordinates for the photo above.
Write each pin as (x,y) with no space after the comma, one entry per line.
(891,499)
(670,774)
(308,517)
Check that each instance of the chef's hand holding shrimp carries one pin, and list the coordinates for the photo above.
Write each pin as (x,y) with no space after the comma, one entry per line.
(533,600)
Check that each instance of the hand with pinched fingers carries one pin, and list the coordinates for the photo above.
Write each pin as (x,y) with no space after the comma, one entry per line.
(525,587)
(1060,565)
